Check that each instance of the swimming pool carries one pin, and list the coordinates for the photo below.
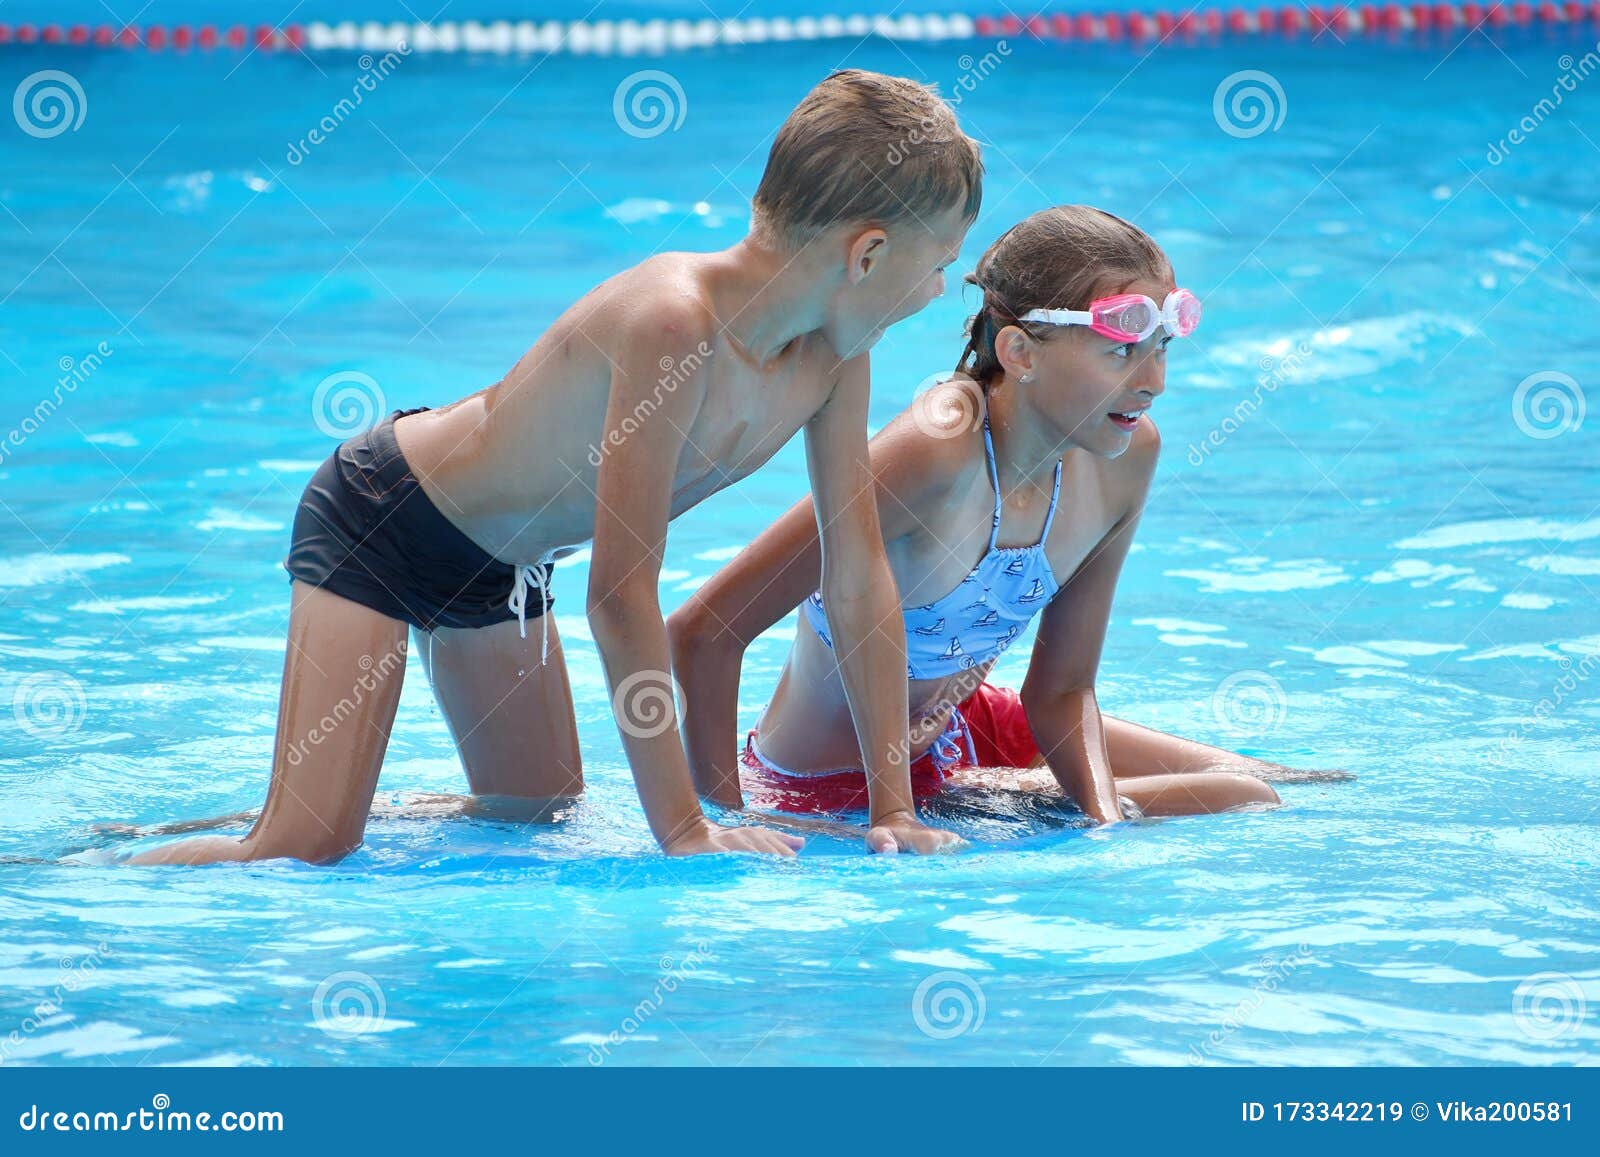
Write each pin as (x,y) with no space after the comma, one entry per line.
(1372,546)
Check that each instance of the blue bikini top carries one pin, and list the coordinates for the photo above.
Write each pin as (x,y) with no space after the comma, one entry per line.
(979,619)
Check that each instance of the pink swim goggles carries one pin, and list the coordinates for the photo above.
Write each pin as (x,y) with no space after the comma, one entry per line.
(1129,316)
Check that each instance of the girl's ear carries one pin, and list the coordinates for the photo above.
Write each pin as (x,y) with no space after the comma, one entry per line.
(1015,350)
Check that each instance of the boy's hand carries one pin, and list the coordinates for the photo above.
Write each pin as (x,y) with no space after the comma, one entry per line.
(904,832)
(707,838)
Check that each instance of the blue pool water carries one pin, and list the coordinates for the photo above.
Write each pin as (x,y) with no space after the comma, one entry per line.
(1384,567)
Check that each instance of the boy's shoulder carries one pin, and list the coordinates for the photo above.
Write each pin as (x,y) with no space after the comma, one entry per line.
(664,294)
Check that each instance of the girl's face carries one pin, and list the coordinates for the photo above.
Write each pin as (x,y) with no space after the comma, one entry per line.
(1094,389)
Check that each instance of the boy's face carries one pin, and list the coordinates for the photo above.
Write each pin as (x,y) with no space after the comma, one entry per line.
(892,274)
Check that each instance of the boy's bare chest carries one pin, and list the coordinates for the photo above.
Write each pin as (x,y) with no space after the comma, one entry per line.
(740,427)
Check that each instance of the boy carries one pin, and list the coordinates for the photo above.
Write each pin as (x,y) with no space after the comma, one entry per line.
(660,387)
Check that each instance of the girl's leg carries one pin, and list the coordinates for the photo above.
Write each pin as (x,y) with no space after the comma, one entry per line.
(1167,775)
(511,717)
(1137,751)
(1195,792)
(341,686)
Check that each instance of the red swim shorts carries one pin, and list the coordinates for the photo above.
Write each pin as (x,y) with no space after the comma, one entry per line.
(988,729)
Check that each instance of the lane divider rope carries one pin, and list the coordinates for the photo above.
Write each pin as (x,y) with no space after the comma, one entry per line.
(633,37)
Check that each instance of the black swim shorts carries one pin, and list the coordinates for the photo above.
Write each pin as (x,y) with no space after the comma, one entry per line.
(366,531)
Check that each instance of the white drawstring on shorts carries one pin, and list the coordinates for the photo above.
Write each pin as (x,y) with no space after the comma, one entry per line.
(518,602)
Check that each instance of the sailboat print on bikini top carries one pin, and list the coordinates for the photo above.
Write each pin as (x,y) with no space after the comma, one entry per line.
(987,610)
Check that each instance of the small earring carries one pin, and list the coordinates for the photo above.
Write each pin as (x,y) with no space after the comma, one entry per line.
(1026,378)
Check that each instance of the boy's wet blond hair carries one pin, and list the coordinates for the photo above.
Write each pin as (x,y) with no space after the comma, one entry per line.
(865,147)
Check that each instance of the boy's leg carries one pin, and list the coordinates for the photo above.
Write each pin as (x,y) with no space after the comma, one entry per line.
(511,716)
(341,686)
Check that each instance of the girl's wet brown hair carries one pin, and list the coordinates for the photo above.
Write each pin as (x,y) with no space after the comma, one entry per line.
(1059,258)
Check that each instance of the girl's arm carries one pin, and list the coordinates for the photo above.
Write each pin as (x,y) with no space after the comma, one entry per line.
(710,631)
(1058,693)
(766,581)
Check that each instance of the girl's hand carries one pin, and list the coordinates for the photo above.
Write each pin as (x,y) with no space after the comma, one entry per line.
(707,838)
(903,832)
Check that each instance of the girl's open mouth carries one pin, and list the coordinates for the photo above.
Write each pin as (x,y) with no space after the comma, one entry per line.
(1126,421)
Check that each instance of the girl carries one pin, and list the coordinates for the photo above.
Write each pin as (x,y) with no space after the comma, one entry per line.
(1012,490)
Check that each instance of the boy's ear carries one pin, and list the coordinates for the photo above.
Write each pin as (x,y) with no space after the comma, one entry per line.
(869,247)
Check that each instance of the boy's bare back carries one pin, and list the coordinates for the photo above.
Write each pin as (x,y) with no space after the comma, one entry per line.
(542,430)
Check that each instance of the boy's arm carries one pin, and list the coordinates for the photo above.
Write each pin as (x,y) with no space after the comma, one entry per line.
(633,503)
(1058,693)
(858,588)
